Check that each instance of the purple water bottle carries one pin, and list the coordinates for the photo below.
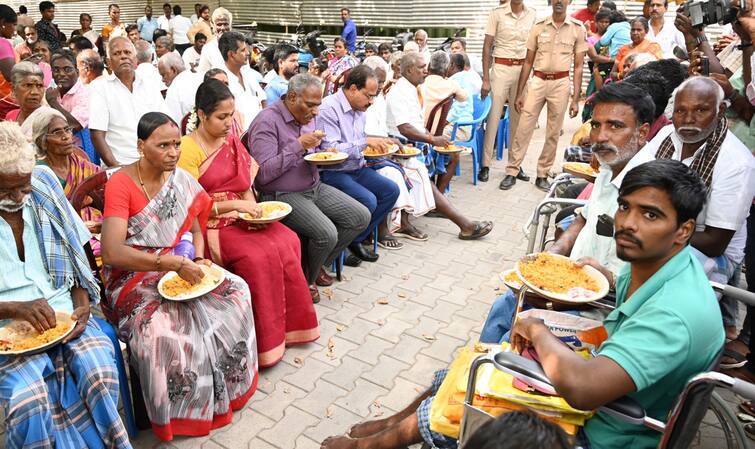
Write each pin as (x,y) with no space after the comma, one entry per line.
(185,247)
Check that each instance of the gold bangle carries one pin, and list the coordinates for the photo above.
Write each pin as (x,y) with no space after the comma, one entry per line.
(215,208)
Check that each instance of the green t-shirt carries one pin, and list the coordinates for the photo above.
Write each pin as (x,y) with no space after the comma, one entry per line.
(667,332)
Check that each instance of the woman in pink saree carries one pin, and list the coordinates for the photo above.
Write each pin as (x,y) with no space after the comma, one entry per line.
(267,257)
(196,359)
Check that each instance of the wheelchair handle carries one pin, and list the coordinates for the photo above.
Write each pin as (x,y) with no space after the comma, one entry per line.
(735,293)
(744,389)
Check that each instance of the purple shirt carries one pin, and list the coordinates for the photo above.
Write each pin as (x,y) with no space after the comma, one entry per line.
(274,144)
(344,130)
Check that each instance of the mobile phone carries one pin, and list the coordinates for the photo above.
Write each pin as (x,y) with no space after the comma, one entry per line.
(604,226)
(704,66)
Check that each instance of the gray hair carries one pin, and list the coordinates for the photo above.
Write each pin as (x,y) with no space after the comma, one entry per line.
(411,47)
(420,32)
(171,60)
(409,60)
(298,83)
(222,13)
(143,51)
(23,69)
(40,125)
(702,82)
(439,62)
(114,40)
(18,155)
(375,63)
(165,41)
(396,57)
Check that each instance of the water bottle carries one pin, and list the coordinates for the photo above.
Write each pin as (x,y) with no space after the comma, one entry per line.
(185,247)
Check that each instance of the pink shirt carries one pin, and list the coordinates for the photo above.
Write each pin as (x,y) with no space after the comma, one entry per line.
(6,49)
(76,101)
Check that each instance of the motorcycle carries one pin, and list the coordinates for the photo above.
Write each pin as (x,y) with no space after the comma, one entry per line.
(400,40)
(362,44)
(311,46)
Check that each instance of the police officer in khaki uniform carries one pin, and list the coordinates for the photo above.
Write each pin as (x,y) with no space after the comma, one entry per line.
(508,27)
(553,44)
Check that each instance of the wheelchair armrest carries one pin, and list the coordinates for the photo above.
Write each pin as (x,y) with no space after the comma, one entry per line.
(625,409)
(524,369)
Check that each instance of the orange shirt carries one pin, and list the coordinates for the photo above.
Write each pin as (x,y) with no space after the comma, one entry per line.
(646,46)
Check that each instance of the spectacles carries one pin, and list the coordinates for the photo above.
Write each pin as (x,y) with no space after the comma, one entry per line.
(370,96)
(61,132)
(67,70)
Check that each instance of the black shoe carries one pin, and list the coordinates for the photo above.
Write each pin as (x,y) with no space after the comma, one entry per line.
(542,184)
(484,174)
(507,182)
(363,252)
(522,176)
(351,260)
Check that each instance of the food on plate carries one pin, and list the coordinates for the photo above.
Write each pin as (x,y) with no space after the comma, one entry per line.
(580,167)
(22,336)
(556,274)
(177,287)
(449,149)
(326,156)
(369,151)
(512,279)
(408,150)
(270,210)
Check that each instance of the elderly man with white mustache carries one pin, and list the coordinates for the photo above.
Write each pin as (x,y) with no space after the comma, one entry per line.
(700,138)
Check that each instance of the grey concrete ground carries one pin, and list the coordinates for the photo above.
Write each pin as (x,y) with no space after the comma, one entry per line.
(390,325)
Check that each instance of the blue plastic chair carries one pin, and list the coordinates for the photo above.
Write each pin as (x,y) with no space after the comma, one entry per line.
(337,265)
(476,137)
(128,408)
(502,137)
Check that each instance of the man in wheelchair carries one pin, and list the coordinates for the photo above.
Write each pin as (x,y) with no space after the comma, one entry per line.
(666,327)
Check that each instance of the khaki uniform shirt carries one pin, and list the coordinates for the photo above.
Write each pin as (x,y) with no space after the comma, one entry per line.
(555,47)
(510,32)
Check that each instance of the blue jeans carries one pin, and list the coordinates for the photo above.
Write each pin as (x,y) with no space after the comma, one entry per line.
(497,327)
(377,193)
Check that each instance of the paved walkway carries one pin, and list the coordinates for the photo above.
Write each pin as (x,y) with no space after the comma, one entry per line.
(389,326)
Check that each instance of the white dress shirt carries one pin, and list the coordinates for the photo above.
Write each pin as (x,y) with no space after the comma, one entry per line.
(731,191)
(181,94)
(668,38)
(179,25)
(211,57)
(403,107)
(375,118)
(116,110)
(163,23)
(248,94)
(147,71)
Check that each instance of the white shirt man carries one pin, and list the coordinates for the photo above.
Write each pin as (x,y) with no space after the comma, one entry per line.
(191,57)
(181,94)
(403,106)
(163,23)
(375,117)
(248,94)
(179,26)
(211,57)
(731,191)
(148,72)
(668,38)
(116,110)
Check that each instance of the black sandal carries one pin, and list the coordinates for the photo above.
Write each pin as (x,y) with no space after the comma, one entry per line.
(390,242)
(481,229)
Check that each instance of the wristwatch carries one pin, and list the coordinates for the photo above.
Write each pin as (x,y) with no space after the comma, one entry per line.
(743,45)
(701,38)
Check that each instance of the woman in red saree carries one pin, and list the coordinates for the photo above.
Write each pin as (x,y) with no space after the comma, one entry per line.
(267,257)
(196,359)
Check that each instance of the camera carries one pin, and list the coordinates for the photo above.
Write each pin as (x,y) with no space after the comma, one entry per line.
(708,12)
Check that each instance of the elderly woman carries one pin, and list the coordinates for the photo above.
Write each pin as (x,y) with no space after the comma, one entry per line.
(197,360)
(640,44)
(29,89)
(341,63)
(268,257)
(53,139)
(66,396)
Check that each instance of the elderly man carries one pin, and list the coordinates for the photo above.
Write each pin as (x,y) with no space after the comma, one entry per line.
(665,329)
(420,38)
(182,85)
(286,65)
(90,65)
(553,44)
(505,46)
(145,67)
(404,118)
(619,126)
(342,119)
(117,102)
(250,98)
(437,88)
(222,19)
(279,138)
(349,33)
(47,281)
(699,137)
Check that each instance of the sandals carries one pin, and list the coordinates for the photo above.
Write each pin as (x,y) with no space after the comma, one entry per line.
(411,234)
(390,242)
(314,293)
(481,229)
(732,359)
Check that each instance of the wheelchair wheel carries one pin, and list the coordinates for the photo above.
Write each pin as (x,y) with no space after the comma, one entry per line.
(722,425)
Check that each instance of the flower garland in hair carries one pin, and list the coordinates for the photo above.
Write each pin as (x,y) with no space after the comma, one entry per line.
(193,122)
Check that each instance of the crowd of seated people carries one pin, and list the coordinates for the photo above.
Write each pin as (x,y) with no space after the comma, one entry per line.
(192,137)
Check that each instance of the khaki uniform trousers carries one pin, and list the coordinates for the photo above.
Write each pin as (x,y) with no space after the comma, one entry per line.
(503,83)
(554,93)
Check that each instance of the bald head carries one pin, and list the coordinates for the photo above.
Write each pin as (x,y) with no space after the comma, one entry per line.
(698,105)
(143,51)
(704,86)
